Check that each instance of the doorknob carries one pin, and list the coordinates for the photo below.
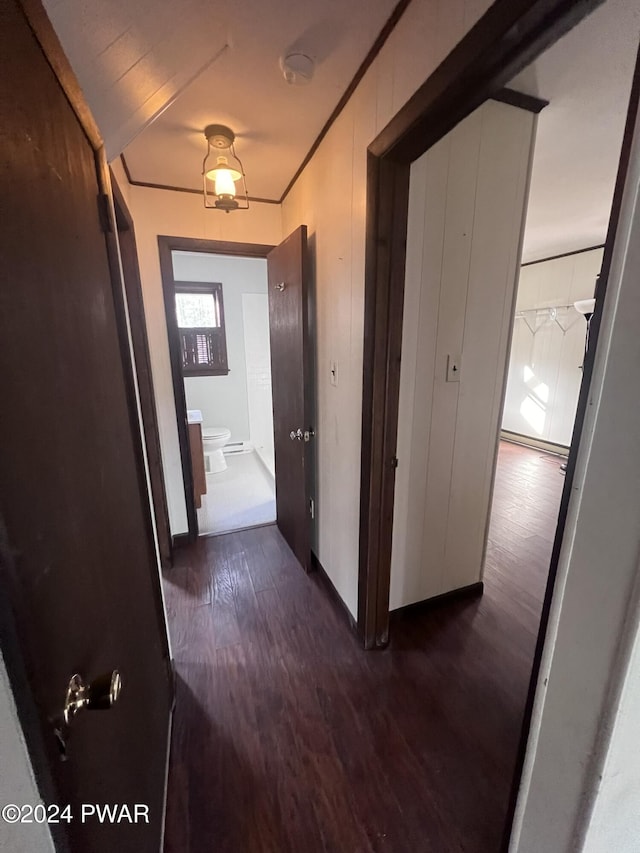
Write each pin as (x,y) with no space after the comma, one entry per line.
(100,695)
(296,434)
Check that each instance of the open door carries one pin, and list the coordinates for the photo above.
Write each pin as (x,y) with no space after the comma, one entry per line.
(78,562)
(292,389)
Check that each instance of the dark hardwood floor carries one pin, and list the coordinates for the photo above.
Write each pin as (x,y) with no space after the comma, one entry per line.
(288,737)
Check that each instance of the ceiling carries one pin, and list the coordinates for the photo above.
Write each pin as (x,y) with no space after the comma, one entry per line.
(217,63)
(586,77)
(156,72)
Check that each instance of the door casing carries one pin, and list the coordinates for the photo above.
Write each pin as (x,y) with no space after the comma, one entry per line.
(167,245)
(477,69)
(140,343)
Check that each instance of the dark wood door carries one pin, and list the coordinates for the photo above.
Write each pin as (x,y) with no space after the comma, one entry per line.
(77,556)
(292,390)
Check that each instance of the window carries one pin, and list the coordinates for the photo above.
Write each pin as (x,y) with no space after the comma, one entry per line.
(200,316)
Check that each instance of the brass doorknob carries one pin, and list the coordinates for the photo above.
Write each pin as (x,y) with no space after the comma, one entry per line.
(99,695)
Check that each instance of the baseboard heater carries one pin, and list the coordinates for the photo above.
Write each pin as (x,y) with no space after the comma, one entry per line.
(238,447)
(537,443)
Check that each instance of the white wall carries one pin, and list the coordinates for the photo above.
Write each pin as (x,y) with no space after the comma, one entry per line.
(467,206)
(595,610)
(255,311)
(615,820)
(17,783)
(330,197)
(223,400)
(182,215)
(544,368)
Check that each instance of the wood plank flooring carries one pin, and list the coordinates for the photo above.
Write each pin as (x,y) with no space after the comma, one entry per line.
(288,737)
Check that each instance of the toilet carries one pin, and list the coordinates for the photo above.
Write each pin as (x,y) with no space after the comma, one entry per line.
(213,440)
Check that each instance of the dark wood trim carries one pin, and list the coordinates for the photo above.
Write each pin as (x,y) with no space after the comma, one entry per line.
(473,590)
(47,37)
(128,370)
(583,403)
(180,540)
(477,69)
(218,247)
(377,46)
(125,167)
(563,255)
(334,595)
(383,35)
(510,35)
(138,324)
(520,100)
(165,248)
(212,287)
(167,245)
(171,188)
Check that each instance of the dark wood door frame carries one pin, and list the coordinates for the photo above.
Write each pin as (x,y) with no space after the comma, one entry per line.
(507,38)
(140,343)
(167,245)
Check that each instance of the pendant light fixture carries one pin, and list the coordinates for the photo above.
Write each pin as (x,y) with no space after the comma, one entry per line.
(225,187)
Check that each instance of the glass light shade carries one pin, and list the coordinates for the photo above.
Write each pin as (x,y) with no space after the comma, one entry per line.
(224,183)
(222,165)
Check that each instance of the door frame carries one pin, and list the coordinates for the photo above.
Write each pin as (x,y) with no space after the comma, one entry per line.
(476,70)
(167,245)
(144,376)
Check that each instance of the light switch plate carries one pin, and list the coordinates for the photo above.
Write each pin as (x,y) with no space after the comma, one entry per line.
(454,366)
(333,368)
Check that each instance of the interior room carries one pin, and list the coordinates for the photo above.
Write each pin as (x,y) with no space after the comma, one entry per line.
(349,444)
(520,180)
(227,388)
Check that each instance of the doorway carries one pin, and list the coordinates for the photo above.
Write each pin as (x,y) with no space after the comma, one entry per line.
(243,347)
(421,127)
(219,497)
(222,312)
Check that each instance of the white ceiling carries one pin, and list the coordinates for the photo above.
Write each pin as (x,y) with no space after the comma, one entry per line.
(155,72)
(586,77)
(133,56)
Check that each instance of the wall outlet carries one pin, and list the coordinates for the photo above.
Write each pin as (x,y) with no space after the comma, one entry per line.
(454,365)
(333,370)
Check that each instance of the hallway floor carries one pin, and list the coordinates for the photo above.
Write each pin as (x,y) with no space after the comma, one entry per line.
(287,737)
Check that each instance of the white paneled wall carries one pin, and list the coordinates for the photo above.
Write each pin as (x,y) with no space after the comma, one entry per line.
(330,198)
(255,312)
(546,353)
(467,205)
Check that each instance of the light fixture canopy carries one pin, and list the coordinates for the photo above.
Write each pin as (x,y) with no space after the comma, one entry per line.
(222,169)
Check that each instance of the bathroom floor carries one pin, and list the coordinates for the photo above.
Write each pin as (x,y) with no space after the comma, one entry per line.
(242,496)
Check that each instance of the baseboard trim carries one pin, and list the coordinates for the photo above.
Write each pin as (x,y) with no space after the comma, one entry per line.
(334,595)
(180,540)
(473,590)
(537,443)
